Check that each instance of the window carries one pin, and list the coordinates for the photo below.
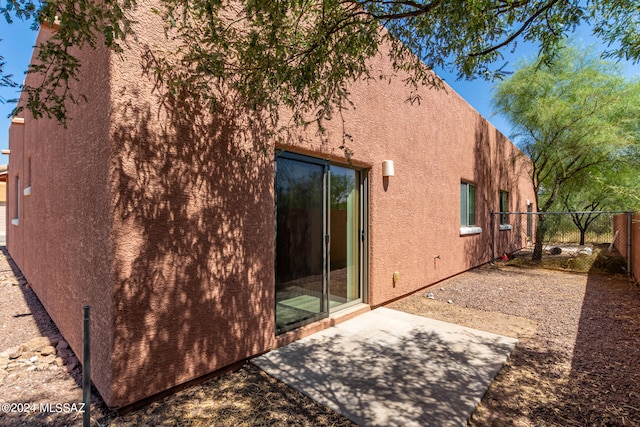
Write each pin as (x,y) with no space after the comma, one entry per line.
(504,207)
(27,188)
(16,200)
(467,205)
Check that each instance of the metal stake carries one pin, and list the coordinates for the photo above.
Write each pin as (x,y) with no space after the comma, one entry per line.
(86,370)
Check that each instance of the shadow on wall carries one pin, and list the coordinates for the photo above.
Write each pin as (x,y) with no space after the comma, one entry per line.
(499,166)
(194,226)
(477,247)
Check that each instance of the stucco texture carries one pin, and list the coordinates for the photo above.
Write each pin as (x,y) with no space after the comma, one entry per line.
(145,209)
(414,216)
(63,240)
(194,227)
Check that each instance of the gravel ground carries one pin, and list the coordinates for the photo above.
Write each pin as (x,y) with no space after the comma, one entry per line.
(578,359)
(577,362)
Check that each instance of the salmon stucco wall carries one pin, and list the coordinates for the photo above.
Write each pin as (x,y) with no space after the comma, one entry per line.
(414,216)
(60,239)
(194,226)
(156,218)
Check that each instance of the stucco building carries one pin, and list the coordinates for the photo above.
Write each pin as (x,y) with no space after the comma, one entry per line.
(194,257)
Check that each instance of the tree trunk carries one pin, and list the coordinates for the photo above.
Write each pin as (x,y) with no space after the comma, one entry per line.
(582,234)
(541,230)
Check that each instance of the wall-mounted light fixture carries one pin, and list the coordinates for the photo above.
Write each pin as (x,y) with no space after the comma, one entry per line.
(387,168)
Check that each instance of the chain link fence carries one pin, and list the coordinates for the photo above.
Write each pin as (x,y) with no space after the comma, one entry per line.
(574,241)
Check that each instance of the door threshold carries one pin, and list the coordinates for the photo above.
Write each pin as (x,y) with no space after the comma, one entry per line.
(334,318)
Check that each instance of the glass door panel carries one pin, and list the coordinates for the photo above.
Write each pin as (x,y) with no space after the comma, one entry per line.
(300,236)
(344,211)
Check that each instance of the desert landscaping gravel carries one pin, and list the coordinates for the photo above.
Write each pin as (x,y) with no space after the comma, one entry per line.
(577,362)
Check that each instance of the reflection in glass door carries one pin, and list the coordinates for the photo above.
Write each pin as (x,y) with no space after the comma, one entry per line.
(300,237)
(344,206)
(319,235)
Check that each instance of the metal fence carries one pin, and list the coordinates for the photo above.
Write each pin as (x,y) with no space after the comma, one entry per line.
(589,241)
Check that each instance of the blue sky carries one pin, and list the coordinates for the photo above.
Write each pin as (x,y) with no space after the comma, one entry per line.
(17,43)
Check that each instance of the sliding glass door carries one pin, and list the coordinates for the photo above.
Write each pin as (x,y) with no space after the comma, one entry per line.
(344,206)
(300,241)
(319,238)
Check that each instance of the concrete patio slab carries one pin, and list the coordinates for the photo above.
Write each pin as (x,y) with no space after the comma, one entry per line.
(390,368)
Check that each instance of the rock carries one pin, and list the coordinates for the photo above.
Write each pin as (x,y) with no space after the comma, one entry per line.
(48,359)
(4,361)
(48,350)
(22,282)
(71,366)
(35,344)
(42,367)
(32,368)
(12,353)
(586,251)
(556,250)
(33,359)
(449,302)
(62,345)
(430,295)
(65,354)
(27,356)
(59,361)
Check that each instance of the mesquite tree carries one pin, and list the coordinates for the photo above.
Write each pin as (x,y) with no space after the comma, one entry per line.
(302,54)
(574,116)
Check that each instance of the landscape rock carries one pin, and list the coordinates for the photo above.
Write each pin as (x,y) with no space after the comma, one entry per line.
(71,366)
(556,250)
(62,345)
(13,352)
(586,251)
(50,358)
(48,350)
(36,344)
(27,355)
(37,354)
(65,354)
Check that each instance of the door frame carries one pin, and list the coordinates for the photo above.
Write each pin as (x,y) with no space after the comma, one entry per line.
(363,253)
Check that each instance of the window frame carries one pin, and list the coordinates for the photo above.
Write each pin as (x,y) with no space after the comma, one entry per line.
(468,217)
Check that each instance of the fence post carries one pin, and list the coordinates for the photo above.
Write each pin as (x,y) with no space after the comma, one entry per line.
(629,246)
(493,239)
(86,370)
